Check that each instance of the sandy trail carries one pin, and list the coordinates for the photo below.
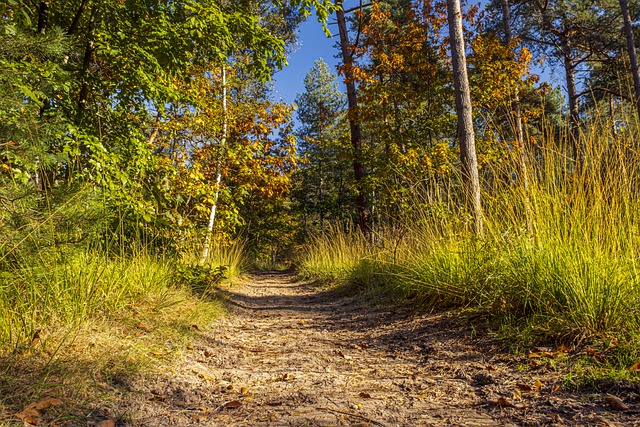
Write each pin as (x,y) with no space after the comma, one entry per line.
(291,354)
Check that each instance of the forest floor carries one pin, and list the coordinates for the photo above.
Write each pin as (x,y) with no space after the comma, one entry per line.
(294,354)
(291,353)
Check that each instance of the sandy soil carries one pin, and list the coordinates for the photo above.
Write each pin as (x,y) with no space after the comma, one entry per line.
(291,354)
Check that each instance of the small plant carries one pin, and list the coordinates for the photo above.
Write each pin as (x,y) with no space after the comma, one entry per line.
(201,278)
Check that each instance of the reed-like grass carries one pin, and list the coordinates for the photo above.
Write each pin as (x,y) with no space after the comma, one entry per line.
(560,255)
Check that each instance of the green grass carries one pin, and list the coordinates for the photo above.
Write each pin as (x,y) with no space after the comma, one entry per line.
(72,324)
(559,261)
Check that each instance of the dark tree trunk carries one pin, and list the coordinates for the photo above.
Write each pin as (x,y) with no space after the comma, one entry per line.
(522,152)
(86,63)
(572,94)
(631,49)
(43,16)
(364,222)
(76,18)
(466,135)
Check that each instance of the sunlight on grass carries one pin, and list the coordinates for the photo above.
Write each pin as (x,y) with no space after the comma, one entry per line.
(575,275)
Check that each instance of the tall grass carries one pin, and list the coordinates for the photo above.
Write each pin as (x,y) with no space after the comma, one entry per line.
(561,254)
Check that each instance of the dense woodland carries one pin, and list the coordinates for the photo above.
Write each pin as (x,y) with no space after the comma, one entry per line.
(446,171)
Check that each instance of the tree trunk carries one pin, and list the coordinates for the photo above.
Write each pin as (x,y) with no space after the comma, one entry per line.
(223,143)
(522,152)
(43,16)
(631,49)
(76,18)
(86,63)
(466,135)
(364,222)
(572,94)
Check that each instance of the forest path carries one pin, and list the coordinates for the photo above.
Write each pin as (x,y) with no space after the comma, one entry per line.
(293,354)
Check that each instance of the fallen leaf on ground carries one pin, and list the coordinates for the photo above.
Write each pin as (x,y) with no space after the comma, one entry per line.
(504,403)
(301,322)
(614,403)
(286,377)
(524,387)
(538,385)
(234,404)
(517,395)
(32,413)
(365,395)
(635,366)
(106,423)
(563,349)
(244,390)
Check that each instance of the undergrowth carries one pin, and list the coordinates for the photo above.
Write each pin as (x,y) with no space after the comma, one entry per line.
(558,262)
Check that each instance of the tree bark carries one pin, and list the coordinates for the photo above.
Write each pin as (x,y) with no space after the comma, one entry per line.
(43,16)
(466,134)
(223,143)
(86,62)
(364,222)
(76,18)
(522,152)
(631,49)
(572,94)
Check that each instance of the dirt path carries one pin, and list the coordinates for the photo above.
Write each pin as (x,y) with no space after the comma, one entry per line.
(290,354)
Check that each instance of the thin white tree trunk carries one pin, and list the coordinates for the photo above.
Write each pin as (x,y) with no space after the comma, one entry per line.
(466,135)
(223,143)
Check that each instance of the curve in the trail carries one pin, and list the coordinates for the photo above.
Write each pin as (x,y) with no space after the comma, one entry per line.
(292,354)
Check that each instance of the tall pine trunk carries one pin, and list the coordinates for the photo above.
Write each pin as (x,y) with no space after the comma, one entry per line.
(364,221)
(466,136)
(522,152)
(223,144)
(631,49)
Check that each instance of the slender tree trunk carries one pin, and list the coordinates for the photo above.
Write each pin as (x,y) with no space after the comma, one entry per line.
(466,135)
(223,143)
(572,94)
(43,16)
(631,49)
(86,63)
(522,151)
(364,222)
(76,18)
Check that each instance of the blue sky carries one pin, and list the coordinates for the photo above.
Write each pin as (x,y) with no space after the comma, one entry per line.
(312,44)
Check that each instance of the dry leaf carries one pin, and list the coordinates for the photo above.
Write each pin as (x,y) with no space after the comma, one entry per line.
(31,413)
(301,322)
(234,404)
(517,395)
(615,403)
(286,377)
(538,385)
(106,423)
(534,355)
(504,403)
(244,390)
(635,366)
(524,387)
(563,349)
(422,396)
(142,326)
(365,395)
